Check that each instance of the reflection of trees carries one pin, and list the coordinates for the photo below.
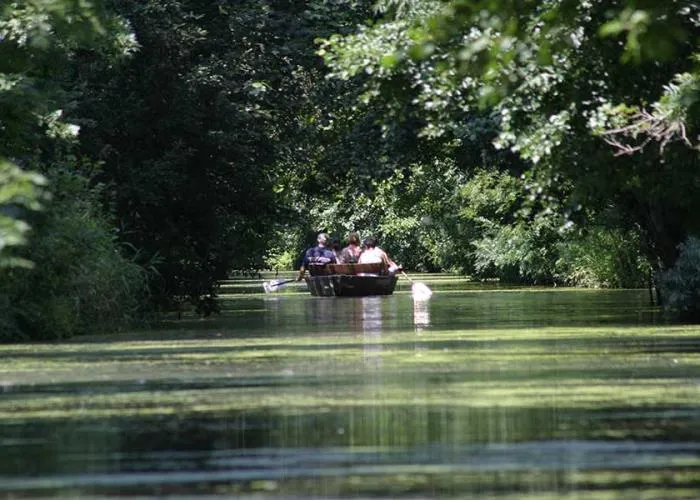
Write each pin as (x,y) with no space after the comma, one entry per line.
(48,447)
(272,308)
(320,311)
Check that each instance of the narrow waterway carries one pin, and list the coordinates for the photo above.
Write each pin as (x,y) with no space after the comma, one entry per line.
(478,392)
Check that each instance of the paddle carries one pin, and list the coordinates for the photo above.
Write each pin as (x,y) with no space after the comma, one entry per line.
(420,291)
(274,285)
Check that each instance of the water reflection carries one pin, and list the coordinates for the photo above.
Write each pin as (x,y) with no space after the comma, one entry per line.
(417,450)
(372,318)
(372,315)
(421,315)
(371,397)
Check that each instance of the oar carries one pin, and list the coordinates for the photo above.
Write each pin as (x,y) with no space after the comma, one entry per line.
(420,291)
(274,285)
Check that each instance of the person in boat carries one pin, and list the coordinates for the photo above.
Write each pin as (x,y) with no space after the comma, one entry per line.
(336,248)
(318,255)
(351,253)
(372,254)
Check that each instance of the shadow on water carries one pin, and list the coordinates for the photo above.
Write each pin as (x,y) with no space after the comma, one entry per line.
(465,309)
(387,451)
(637,343)
(477,393)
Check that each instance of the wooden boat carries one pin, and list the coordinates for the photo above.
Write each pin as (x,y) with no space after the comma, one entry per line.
(350,280)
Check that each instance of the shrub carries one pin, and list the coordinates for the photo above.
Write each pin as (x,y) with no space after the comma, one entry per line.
(517,253)
(80,282)
(602,258)
(19,192)
(680,285)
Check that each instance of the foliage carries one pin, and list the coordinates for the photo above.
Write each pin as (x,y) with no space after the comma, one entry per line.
(680,285)
(80,282)
(669,119)
(504,242)
(18,191)
(407,212)
(602,258)
(37,39)
(557,79)
(500,139)
(516,241)
(69,279)
(202,132)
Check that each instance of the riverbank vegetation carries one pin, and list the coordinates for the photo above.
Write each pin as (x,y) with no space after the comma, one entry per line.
(147,149)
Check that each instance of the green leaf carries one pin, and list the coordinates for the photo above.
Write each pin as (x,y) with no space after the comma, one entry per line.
(389,61)
(611,28)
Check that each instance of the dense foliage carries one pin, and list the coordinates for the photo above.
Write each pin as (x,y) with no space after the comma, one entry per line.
(67,274)
(79,281)
(681,284)
(198,128)
(566,86)
(153,147)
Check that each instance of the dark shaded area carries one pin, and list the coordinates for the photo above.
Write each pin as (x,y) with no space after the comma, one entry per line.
(529,347)
(305,453)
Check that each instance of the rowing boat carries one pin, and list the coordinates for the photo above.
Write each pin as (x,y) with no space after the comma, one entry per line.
(350,280)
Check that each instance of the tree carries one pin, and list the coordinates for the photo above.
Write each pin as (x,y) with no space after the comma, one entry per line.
(67,275)
(19,191)
(202,132)
(557,79)
(38,38)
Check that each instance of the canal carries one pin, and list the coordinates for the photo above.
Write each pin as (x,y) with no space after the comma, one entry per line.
(480,392)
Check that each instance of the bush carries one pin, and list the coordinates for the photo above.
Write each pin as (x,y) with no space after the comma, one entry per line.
(680,285)
(80,282)
(603,258)
(19,192)
(517,253)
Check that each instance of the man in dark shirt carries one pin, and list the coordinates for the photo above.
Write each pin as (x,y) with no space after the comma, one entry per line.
(317,256)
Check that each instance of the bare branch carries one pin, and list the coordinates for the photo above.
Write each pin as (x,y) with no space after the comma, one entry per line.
(659,128)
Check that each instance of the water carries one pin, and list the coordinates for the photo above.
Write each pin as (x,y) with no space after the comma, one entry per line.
(479,393)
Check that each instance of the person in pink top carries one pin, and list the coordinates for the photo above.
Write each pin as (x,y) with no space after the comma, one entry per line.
(351,253)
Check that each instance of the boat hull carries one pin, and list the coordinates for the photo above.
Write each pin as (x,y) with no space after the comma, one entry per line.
(343,285)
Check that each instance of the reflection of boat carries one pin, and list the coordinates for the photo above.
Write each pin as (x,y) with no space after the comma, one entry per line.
(350,280)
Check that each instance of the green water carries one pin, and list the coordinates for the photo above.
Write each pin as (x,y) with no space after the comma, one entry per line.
(479,392)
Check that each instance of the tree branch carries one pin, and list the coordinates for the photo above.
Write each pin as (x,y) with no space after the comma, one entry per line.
(658,128)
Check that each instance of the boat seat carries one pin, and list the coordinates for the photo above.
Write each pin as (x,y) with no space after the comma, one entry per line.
(378,269)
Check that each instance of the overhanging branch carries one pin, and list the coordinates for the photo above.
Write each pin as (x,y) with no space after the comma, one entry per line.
(644,128)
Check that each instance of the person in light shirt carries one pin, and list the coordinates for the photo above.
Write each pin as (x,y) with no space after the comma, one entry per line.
(372,254)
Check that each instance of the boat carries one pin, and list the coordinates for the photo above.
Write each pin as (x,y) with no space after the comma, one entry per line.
(350,280)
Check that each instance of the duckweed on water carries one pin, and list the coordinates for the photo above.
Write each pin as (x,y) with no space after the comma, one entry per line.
(583,368)
(472,394)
